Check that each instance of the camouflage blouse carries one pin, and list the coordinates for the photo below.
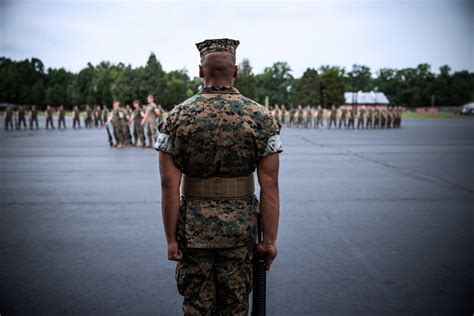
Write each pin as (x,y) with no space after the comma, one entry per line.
(218,133)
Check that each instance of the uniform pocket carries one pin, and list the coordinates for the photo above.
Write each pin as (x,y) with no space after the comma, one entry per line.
(179,277)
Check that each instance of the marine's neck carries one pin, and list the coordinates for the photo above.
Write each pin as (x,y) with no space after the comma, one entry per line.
(208,82)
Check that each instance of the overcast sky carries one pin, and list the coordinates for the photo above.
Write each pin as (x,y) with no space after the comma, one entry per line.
(305,34)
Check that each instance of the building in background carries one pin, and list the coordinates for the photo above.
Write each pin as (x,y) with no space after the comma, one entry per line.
(365,99)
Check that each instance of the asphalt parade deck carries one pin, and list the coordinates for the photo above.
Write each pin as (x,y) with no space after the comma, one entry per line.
(372,222)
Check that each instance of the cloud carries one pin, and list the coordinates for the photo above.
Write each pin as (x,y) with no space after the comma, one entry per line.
(305,33)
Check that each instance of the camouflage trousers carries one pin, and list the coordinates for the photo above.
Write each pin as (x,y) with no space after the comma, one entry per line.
(138,133)
(215,281)
(151,133)
(118,133)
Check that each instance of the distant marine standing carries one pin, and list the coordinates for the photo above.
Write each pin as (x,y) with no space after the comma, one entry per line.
(98,116)
(49,117)
(34,117)
(115,120)
(21,117)
(88,117)
(8,115)
(76,117)
(136,119)
(150,120)
(61,117)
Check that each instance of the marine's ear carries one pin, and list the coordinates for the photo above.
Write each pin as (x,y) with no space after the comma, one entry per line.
(236,70)
(201,71)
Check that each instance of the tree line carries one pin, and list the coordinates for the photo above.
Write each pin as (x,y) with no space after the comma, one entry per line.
(28,82)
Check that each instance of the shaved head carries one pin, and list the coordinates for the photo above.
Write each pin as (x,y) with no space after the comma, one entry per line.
(218,66)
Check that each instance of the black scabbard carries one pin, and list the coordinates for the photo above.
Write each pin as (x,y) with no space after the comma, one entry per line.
(259,277)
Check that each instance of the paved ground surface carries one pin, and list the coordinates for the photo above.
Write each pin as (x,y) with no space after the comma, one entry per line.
(372,222)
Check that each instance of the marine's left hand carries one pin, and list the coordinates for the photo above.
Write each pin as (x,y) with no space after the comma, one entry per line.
(174,253)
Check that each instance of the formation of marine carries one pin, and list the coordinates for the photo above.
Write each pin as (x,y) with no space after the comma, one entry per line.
(341,117)
(128,124)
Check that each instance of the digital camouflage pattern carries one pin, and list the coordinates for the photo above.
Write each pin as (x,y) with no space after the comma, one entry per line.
(215,280)
(150,112)
(217,133)
(138,132)
(225,45)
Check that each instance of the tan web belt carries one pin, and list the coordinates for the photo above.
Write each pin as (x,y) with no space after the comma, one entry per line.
(218,188)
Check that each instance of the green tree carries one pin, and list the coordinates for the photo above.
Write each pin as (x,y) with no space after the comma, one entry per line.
(126,87)
(246,82)
(153,79)
(332,85)
(307,88)
(359,79)
(276,83)
(176,91)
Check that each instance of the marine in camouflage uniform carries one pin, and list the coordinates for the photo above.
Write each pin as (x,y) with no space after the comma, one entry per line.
(398,116)
(319,117)
(350,121)
(76,117)
(150,120)
(283,115)
(88,118)
(216,133)
(115,120)
(308,117)
(61,117)
(49,117)
(138,132)
(360,118)
(299,116)
(105,113)
(368,118)
(389,117)
(376,118)
(21,117)
(342,119)
(332,117)
(124,129)
(8,118)
(291,116)
(98,116)
(383,118)
(34,117)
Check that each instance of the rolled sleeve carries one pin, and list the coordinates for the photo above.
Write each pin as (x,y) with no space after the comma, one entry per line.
(164,144)
(274,145)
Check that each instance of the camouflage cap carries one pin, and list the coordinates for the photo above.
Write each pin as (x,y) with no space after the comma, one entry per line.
(217,45)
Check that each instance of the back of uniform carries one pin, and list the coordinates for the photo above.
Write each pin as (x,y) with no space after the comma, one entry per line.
(217,133)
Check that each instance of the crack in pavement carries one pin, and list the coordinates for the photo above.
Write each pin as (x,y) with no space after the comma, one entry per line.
(414,174)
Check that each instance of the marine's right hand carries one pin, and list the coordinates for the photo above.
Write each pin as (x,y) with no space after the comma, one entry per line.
(174,253)
(270,251)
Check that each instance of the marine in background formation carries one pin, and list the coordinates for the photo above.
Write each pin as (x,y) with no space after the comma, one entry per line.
(332,117)
(61,117)
(137,116)
(98,117)
(88,117)
(76,117)
(342,119)
(21,117)
(8,115)
(49,117)
(360,118)
(149,120)
(34,117)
